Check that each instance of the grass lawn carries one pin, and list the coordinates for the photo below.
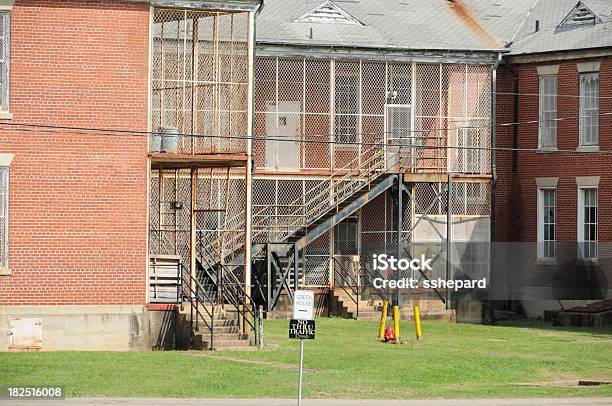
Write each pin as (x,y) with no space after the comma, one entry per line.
(345,361)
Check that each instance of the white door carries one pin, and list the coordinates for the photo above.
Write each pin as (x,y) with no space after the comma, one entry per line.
(398,131)
(282,152)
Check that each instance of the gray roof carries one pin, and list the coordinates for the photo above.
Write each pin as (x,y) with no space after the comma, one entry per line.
(391,24)
(549,38)
(459,25)
(513,22)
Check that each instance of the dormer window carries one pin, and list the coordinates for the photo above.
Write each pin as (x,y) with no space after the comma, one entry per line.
(580,15)
(328,13)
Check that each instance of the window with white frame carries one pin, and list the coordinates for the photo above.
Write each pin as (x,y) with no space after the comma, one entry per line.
(5,47)
(547,222)
(4,219)
(548,112)
(346,119)
(589,108)
(587,223)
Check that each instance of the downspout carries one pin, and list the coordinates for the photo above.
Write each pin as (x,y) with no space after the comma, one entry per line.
(494,174)
(250,165)
(515,119)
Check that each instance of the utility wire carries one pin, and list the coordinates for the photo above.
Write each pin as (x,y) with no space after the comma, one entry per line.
(33,128)
(244,137)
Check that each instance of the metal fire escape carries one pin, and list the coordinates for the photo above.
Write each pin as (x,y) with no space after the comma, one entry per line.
(286,235)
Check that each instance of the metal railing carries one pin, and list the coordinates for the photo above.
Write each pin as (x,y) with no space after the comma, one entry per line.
(349,283)
(316,201)
(215,248)
(229,288)
(368,276)
(234,294)
(321,198)
(192,290)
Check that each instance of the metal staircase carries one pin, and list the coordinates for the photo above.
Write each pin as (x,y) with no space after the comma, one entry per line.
(303,220)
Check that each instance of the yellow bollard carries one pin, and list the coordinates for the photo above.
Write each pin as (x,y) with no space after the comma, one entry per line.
(396,326)
(417,322)
(383,321)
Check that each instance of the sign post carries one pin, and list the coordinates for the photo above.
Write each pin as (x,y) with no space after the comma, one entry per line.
(302,327)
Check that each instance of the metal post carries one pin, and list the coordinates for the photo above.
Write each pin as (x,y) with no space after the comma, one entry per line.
(269,275)
(260,334)
(449,230)
(212,328)
(296,271)
(300,373)
(248,232)
(400,220)
(193,226)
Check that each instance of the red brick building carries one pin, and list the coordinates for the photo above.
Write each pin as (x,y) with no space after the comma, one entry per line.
(554,100)
(77,199)
(74,202)
(126,145)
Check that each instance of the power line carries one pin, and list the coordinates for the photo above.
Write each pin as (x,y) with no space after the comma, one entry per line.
(577,96)
(109,132)
(244,137)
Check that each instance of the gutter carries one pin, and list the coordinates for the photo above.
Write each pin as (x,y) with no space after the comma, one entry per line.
(378,47)
(250,166)
(476,57)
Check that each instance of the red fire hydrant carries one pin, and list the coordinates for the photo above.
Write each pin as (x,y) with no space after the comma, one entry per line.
(389,334)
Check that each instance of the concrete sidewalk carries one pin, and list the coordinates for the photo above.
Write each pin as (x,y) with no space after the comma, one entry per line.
(316,402)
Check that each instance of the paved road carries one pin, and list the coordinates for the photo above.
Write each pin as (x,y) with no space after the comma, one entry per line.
(317,402)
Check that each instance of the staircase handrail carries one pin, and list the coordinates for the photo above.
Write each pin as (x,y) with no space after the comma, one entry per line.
(188,282)
(353,284)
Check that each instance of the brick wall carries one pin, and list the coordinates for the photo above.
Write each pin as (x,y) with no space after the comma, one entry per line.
(517,195)
(78,200)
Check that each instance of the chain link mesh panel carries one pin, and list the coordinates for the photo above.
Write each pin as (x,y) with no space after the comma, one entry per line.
(219,213)
(323,101)
(317,262)
(200,78)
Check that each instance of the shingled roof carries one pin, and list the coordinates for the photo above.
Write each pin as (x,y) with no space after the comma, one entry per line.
(513,22)
(396,24)
(449,25)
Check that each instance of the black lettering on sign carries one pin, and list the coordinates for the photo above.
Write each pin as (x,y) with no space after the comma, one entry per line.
(302,329)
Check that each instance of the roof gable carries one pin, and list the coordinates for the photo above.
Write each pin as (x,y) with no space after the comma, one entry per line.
(328,13)
(581,14)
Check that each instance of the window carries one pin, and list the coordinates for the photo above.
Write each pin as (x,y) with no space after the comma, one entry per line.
(346,121)
(398,132)
(346,237)
(400,87)
(589,108)
(587,223)
(548,111)
(4,219)
(4,60)
(468,154)
(547,223)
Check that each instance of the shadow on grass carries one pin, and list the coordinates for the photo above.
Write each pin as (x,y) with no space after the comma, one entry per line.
(605,332)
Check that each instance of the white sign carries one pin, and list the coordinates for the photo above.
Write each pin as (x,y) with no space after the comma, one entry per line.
(303,304)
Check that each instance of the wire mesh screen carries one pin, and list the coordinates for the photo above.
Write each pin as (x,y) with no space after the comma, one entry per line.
(333,103)
(317,261)
(374,230)
(219,214)
(200,79)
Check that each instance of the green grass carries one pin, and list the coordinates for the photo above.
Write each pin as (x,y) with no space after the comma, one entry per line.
(345,361)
